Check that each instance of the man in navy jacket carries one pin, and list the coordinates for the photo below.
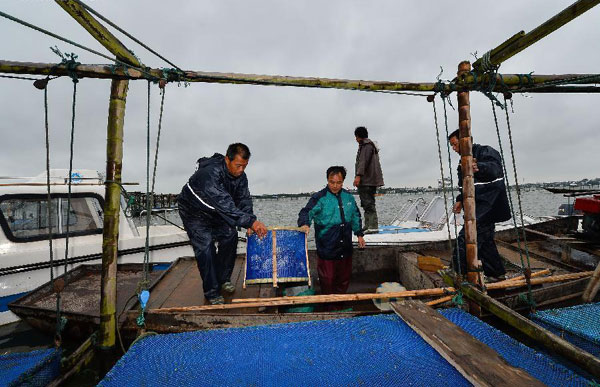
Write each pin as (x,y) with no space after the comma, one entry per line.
(491,206)
(212,204)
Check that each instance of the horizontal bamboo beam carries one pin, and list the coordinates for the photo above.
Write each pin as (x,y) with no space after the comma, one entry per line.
(320,299)
(522,277)
(422,292)
(508,82)
(539,281)
(519,42)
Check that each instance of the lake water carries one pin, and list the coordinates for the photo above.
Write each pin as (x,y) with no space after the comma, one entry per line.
(284,212)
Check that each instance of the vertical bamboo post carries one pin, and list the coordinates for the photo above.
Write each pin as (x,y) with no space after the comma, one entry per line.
(466,161)
(114,160)
(274,258)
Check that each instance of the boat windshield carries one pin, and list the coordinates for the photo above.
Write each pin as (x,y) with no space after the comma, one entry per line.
(24,218)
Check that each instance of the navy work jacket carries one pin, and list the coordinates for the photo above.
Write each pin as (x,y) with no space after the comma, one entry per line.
(214,194)
(491,201)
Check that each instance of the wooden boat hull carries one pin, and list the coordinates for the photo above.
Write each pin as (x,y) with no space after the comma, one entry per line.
(180,286)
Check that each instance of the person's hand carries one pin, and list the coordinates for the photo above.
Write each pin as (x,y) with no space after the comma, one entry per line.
(305,228)
(361,242)
(356,181)
(259,228)
(475,167)
(457,207)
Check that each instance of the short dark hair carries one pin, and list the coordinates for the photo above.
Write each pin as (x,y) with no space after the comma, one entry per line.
(456,134)
(334,170)
(361,132)
(238,149)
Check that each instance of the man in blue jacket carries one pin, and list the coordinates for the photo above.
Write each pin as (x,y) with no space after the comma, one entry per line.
(491,206)
(212,204)
(335,215)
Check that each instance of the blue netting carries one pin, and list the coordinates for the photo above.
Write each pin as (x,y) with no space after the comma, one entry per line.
(36,368)
(537,364)
(576,324)
(372,350)
(291,257)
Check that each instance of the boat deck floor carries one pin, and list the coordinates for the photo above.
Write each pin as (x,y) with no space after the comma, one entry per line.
(182,287)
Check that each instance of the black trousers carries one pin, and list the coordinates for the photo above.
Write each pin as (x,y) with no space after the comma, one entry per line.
(486,251)
(215,264)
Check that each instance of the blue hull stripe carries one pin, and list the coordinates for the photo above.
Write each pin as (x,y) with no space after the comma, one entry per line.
(4,301)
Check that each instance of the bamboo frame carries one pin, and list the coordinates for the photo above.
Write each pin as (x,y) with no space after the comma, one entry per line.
(320,299)
(521,41)
(509,81)
(274,232)
(468,184)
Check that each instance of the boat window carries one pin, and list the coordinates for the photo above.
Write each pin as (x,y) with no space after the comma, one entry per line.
(24,218)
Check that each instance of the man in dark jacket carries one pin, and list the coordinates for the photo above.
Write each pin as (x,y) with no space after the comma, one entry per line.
(335,215)
(491,206)
(212,204)
(368,176)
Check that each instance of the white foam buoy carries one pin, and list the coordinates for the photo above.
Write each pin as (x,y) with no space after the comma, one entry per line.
(387,287)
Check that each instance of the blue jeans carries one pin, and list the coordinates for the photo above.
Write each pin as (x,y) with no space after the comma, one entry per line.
(215,264)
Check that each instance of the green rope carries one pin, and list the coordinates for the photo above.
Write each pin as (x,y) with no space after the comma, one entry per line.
(437,135)
(125,33)
(458,299)
(512,208)
(450,173)
(70,62)
(29,25)
(514,163)
(148,202)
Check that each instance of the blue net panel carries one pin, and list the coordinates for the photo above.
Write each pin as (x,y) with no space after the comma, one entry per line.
(576,324)
(291,257)
(373,350)
(36,368)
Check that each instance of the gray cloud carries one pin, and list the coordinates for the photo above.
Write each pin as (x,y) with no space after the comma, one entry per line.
(295,134)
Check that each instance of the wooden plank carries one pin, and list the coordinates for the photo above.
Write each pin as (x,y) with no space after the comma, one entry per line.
(478,363)
(165,287)
(188,291)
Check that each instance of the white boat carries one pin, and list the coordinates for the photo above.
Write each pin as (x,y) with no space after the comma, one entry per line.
(419,222)
(24,248)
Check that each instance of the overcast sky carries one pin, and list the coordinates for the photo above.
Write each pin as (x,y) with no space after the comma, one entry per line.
(294,133)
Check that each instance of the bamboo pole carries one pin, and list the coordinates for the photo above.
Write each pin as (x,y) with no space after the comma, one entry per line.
(539,281)
(592,289)
(114,161)
(110,236)
(417,293)
(99,32)
(320,299)
(520,42)
(468,187)
(439,301)
(509,81)
(522,277)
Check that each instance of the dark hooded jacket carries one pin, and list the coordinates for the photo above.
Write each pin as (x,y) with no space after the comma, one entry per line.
(367,164)
(214,194)
(491,201)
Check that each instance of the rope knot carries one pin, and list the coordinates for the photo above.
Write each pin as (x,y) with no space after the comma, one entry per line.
(69,61)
